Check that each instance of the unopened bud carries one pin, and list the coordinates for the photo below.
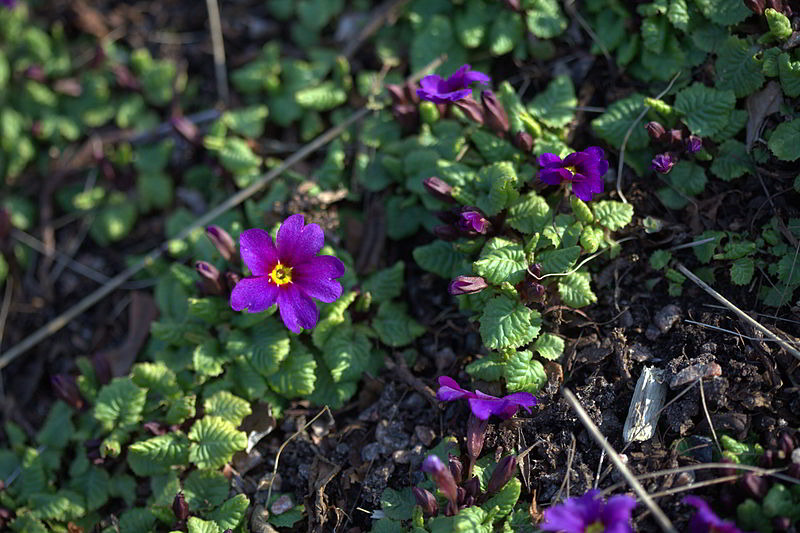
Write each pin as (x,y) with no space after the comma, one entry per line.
(462,495)
(125,78)
(535,270)
(767,459)
(466,285)
(446,233)
(694,144)
(476,432)
(472,487)
(793,470)
(495,113)
(456,468)
(5,225)
(35,73)
(674,137)
(429,112)
(471,109)
(180,508)
(67,390)
(102,369)
(185,128)
(524,141)
(231,279)
(786,444)
(68,86)
(662,163)
(5,517)
(514,5)
(655,130)
(449,216)
(756,6)
(211,278)
(471,222)
(781,523)
(754,486)
(426,500)
(502,474)
(397,94)
(442,477)
(407,115)
(222,241)
(439,188)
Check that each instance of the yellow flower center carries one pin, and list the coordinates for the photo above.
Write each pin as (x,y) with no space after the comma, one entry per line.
(571,170)
(595,527)
(281,274)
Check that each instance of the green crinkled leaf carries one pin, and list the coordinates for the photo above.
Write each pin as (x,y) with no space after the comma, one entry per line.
(523,373)
(783,142)
(347,354)
(137,520)
(789,74)
(470,24)
(545,19)
(654,33)
(323,97)
(612,125)
(555,106)
(742,271)
(502,503)
(470,519)
(114,221)
(247,121)
(393,325)
(288,518)
(488,368)
(328,392)
(549,346)
(732,161)
(197,525)
(529,214)
(57,428)
(493,148)
(558,261)
(266,346)
(180,409)
(385,284)
(398,504)
(723,12)
(227,406)
(688,179)
(611,214)
(230,514)
(164,487)
(119,404)
(610,31)
(236,156)
(208,358)
(205,489)
(157,455)
(335,317)
(678,14)
(789,270)
(63,505)
(506,323)
(94,486)
(705,110)
(736,67)
(735,123)
(156,378)
(439,257)
(505,33)
(501,260)
(434,39)
(214,441)
(124,487)
(575,289)
(296,375)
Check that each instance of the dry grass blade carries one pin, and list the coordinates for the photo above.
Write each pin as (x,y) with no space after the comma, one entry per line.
(218,49)
(637,487)
(741,314)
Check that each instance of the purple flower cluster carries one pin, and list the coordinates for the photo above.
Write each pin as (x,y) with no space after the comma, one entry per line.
(588,513)
(483,405)
(290,273)
(705,521)
(676,141)
(440,91)
(584,170)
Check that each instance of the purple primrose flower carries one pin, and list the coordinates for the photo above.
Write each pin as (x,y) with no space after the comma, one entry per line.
(705,521)
(484,405)
(584,169)
(434,89)
(662,163)
(589,514)
(290,273)
(471,220)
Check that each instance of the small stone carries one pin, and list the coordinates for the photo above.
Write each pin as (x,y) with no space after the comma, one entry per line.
(424,434)
(693,373)
(401,457)
(391,435)
(796,455)
(371,451)
(282,504)
(652,332)
(666,318)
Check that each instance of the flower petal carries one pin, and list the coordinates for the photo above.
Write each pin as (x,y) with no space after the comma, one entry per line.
(430,83)
(258,251)
(450,390)
(563,518)
(325,290)
(321,266)
(582,187)
(522,399)
(549,160)
(475,75)
(254,294)
(297,310)
(554,176)
(595,152)
(298,243)
(618,509)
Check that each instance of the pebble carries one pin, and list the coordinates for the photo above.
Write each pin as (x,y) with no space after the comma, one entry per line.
(666,318)
(693,373)
(424,434)
(371,451)
(282,504)
(391,435)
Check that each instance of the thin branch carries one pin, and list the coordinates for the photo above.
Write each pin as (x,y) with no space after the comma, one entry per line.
(218,49)
(623,469)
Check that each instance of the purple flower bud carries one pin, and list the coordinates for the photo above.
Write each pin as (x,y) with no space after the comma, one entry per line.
(476,432)
(694,144)
(102,368)
(781,523)
(756,6)
(496,116)
(466,285)
(212,280)
(472,487)
(67,390)
(754,486)
(439,189)
(35,73)
(442,477)
(471,108)
(180,508)
(125,78)
(448,217)
(446,233)
(502,474)
(397,93)
(786,443)
(154,428)
(426,500)
(513,5)
(471,222)
(407,115)
(674,137)
(456,468)
(767,460)
(535,270)
(186,128)
(662,163)
(223,242)
(524,141)
(793,470)
(5,514)
(231,279)
(655,130)
(68,86)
